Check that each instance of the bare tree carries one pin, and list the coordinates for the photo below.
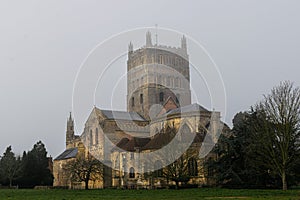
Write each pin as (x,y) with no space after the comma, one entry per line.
(84,169)
(277,129)
(182,169)
(184,155)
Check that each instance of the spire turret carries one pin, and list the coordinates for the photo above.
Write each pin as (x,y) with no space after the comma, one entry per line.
(148,39)
(130,47)
(183,44)
(70,130)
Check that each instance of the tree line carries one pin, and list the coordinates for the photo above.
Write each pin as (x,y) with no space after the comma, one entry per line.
(263,149)
(26,171)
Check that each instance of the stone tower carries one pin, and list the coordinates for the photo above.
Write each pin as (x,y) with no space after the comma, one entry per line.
(70,131)
(156,73)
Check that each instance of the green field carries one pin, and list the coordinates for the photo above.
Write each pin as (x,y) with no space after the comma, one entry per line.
(203,193)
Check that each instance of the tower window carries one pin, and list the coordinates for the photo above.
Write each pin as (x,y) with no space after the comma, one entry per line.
(141,98)
(168,81)
(160,61)
(132,101)
(177,82)
(161,96)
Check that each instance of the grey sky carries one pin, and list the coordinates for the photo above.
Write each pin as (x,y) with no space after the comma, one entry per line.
(42,44)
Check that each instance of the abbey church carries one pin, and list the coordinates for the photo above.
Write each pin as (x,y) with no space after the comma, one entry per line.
(137,146)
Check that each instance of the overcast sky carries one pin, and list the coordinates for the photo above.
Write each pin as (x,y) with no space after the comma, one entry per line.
(255,44)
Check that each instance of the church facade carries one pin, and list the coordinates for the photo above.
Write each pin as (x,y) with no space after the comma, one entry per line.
(159,112)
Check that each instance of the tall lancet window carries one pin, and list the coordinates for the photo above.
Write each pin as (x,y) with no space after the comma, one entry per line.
(91,137)
(141,99)
(161,96)
(97,136)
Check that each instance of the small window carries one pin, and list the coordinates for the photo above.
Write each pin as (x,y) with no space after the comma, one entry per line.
(131,156)
(91,137)
(132,101)
(131,172)
(97,136)
(141,99)
(161,96)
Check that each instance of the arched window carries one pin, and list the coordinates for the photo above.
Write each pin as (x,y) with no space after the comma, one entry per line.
(160,59)
(176,82)
(97,136)
(158,168)
(192,167)
(131,172)
(141,99)
(91,137)
(132,101)
(161,96)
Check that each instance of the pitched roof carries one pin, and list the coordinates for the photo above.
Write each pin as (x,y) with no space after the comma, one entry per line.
(136,142)
(121,144)
(159,140)
(122,115)
(131,144)
(68,153)
(169,104)
(185,109)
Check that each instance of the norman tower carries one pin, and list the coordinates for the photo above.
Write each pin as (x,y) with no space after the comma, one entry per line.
(155,73)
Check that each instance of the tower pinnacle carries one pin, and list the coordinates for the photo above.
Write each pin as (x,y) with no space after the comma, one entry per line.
(70,130)
(130,47)
(148,39)
(183,44)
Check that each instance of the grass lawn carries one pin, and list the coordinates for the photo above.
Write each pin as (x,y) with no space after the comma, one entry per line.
(203,193)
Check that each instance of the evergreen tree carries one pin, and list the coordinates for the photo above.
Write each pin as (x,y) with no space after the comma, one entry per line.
(9,166)
(35,167)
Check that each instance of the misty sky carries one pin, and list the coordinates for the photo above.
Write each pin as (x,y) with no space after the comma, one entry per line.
(255,44)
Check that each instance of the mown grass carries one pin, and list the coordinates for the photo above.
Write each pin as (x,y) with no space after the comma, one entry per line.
(203,193)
